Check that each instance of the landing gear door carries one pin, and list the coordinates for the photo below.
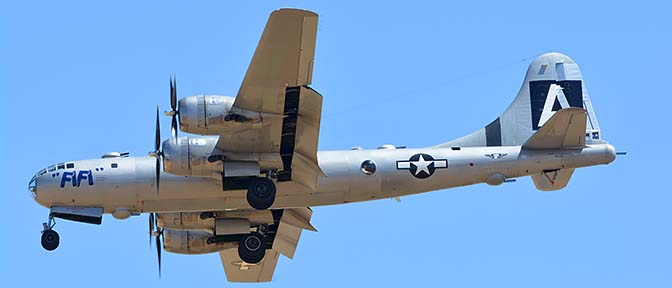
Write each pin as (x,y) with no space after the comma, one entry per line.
(241,168)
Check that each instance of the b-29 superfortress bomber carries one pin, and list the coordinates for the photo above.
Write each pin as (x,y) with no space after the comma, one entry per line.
(242,182)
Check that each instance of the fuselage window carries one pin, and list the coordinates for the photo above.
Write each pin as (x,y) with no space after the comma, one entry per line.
(70,165)
(368,167)
(114,165)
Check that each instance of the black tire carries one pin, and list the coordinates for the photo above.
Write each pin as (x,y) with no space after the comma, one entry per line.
(50,240)
(261,193)
(252,248)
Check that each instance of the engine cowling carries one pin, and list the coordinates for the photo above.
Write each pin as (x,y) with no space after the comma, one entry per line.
(198,156)
(192,242)
(212,115)
(188,156)
(185,221)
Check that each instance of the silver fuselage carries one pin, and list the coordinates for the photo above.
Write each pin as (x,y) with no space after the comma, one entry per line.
(131,185)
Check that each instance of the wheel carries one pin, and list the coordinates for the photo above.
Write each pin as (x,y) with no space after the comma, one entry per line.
(50,240)
(261,193)
(252,248)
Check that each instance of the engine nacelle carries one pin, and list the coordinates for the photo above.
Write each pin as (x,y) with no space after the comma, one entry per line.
(197,156)
(185,221)
(188,156)
(220,226)
(192,242)
(214,115)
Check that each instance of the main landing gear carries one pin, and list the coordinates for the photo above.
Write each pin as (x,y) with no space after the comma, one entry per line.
(261,193)
(252,248)
(50,238)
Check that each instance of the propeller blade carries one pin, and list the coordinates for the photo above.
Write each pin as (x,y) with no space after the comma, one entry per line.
(173,93)
(158,250)
(157,139)
(151,228)
(158,172)
(173,127)
(157,147)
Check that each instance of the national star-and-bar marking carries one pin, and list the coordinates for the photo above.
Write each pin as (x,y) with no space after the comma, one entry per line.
(422,165)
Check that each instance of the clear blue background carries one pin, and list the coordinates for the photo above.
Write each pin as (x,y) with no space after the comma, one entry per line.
(78,79)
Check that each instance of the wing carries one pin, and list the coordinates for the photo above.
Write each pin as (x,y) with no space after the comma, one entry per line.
(284,58)
(238,271)
(275,91)
(285,239)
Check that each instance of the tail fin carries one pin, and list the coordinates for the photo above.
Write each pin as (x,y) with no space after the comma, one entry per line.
(553,82)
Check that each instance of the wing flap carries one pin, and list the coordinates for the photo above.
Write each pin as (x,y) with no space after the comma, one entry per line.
(293,221)
(564,130)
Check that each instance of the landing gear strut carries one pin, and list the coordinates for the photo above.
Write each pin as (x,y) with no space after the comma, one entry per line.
(50,238)
(252,248)
(261,193)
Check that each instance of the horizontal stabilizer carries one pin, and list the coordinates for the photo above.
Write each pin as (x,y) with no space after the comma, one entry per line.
(552,180)
(566,129)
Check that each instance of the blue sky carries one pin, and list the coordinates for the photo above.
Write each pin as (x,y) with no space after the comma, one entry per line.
(78,79)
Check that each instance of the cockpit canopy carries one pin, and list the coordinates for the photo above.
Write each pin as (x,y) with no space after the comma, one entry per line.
(59,166)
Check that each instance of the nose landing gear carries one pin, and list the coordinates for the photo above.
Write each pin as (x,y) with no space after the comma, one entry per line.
(50,238)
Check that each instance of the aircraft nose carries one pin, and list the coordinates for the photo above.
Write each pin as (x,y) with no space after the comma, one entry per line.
(32,186)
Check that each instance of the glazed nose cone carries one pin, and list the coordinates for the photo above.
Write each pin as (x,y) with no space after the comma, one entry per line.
(32,186)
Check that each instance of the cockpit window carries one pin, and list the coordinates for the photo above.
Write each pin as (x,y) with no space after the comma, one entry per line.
(70,165)
(60,166)
(51,168)
(42,172)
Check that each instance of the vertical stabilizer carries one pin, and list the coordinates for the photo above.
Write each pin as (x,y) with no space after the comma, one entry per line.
(553,82)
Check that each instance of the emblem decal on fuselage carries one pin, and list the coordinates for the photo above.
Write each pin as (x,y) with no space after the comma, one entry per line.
(495,156)
(76,178)
(422,165)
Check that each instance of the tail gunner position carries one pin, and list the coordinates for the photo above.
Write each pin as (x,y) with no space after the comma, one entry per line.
(244,190)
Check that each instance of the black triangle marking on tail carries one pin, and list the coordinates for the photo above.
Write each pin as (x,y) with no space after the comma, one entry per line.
(539,90)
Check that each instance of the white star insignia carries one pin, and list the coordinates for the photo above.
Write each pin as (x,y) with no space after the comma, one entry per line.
(421,165)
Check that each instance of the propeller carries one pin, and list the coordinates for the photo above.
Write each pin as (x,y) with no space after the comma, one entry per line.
(157,153)
(155,231)
(173,106)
